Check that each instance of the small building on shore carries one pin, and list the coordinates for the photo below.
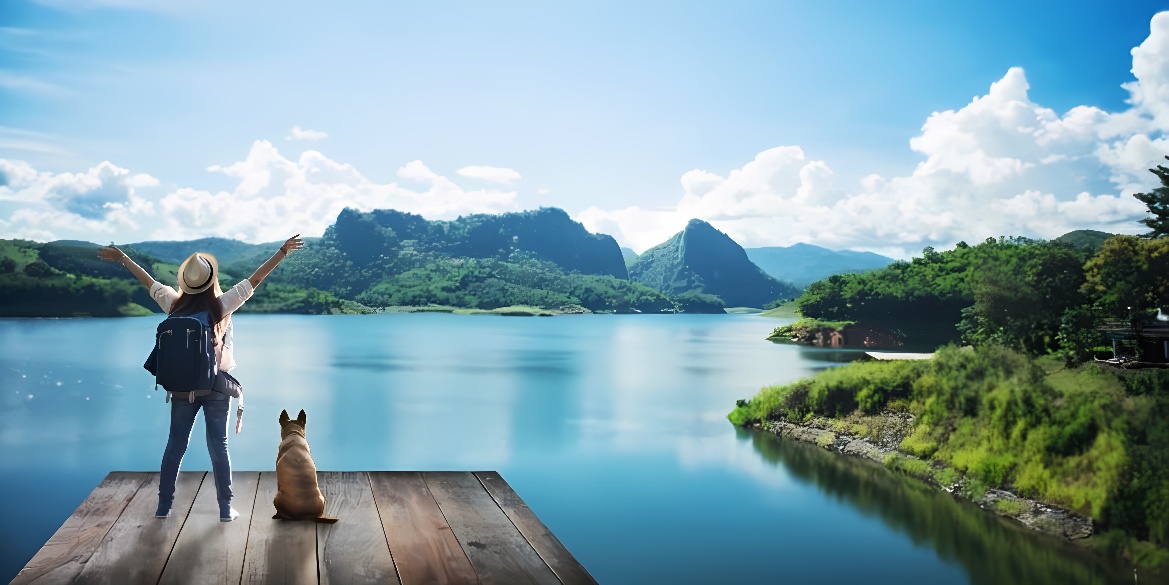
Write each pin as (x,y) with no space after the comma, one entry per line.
(1142,341)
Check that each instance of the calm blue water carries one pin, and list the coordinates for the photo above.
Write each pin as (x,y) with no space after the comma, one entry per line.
(611,427)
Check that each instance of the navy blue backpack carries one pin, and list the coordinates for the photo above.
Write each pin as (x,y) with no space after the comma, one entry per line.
(183,359)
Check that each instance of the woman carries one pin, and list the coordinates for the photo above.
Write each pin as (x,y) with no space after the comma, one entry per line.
(198,278)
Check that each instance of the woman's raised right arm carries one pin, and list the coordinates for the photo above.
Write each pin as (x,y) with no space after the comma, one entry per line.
(112,254)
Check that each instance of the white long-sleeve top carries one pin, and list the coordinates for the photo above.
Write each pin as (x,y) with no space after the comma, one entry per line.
(229,301)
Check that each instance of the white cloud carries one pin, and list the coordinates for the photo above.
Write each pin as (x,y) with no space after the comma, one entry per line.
(273,197)
(298,133)
(1000,165)
(491,174)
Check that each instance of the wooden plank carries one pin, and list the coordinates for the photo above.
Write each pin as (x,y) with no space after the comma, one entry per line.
(497,550)
(136,548)
(64,556)
(354,550)
(555,555)
(424,548)
(210,551)
(279,551)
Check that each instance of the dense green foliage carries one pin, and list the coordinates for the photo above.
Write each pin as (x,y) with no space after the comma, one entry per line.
(1129,274)
(1041,297)
(489,284)
(1158,203)
(1008,291)
(1093,440)
(804,326)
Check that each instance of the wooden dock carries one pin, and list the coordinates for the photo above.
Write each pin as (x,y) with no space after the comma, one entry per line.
(395,527)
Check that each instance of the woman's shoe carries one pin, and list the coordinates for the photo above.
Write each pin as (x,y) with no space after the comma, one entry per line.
(231,515)
(163,510)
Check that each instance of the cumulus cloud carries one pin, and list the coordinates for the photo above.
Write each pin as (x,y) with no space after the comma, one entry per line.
(491,174)
(1000,165)
(103,201)
(273,197)
(298,133)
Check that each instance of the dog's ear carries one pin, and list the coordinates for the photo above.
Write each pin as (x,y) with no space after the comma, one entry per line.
(301,418)
(283,417)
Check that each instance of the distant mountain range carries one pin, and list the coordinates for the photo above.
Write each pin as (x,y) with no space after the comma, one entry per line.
(803,264)
(702,259)
(225,251)
(539,258)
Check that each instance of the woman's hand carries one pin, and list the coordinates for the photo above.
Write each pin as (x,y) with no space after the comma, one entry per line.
(293,243)
(111,254)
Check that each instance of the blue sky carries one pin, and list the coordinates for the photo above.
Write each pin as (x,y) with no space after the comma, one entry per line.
(861,125)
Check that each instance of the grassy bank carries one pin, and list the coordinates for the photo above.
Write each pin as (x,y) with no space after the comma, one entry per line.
(1093,441)
(805,328)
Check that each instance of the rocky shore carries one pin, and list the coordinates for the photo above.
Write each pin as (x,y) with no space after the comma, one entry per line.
(877,437)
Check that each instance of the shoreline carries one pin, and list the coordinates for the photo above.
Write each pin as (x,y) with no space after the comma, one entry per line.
(888,429)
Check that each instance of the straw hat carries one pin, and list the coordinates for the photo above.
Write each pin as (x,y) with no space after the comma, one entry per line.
(198,273)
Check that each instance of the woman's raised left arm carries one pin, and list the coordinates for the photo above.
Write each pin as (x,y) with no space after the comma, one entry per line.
(293,243)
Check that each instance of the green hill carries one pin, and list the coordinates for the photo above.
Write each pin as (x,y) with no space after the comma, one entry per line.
(1089,240)
(701,259)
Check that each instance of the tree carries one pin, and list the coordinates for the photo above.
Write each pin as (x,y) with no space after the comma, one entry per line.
(1128,274)
(1158,202)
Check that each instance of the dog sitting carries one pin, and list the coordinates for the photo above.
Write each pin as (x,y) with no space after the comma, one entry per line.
(297,494)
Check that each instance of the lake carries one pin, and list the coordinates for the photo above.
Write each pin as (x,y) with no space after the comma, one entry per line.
(611,427)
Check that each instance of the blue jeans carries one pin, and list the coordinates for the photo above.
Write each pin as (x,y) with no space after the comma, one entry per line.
(182,419)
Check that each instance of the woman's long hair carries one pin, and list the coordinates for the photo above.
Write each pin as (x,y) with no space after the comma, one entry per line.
(207,300)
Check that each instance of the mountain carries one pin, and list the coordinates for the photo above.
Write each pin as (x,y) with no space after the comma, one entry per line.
(803,264)
(629,256)
(547,234)
(539,258)
(1090,240)
(224,250)
(704,259)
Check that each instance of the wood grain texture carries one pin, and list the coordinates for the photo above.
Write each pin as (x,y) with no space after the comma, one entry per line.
(425,550)
(497,550)
(279,551)
(550,549)
(395,527)
(64,555)
(140,536)
(354,550)
(210,551)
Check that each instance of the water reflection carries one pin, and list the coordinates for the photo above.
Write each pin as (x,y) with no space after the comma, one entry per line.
(991,550)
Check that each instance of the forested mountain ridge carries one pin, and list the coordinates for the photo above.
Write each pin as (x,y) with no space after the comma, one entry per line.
(702,259)
(545,234)
(539,258)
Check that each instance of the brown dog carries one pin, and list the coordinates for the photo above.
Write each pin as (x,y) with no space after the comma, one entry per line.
(297,494)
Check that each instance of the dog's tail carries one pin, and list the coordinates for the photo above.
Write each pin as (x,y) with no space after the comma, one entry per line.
(325,519)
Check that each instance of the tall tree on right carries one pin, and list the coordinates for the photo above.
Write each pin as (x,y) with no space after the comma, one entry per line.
(1158,202)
